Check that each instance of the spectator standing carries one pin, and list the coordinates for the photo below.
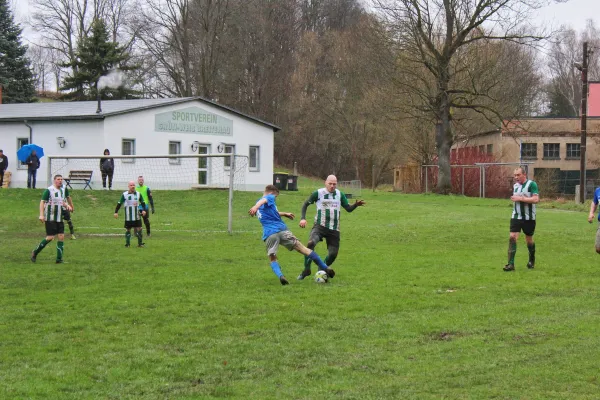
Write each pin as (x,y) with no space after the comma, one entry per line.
(107,168)
(33,164)
(3,167)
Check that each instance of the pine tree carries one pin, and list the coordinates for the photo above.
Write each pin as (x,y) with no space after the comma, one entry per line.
(16,77)
(96,56)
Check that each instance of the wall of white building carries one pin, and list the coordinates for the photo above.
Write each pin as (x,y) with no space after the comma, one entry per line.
(91,137)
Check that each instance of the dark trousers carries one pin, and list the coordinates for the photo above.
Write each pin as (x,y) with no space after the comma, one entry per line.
(109,175)
(146,219)
(1,178)
(31,173)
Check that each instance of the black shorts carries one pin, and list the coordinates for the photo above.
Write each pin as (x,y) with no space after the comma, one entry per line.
(54,228)
(527,226)
(133,224)
(319,232)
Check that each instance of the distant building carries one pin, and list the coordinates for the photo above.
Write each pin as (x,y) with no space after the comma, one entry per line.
(137,127)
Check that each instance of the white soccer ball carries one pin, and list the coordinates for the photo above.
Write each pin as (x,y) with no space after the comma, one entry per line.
(321,277)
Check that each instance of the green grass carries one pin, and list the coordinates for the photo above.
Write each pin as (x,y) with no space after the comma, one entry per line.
(419,309)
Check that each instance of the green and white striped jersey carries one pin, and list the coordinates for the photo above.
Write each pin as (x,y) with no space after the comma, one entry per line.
(131,203)
(329,206)
(55,200)
(521,210)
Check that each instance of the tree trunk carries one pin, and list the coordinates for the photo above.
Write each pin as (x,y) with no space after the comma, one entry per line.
(443,136)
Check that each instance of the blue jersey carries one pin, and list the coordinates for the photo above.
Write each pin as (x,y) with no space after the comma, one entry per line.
(269,217)
(596,199)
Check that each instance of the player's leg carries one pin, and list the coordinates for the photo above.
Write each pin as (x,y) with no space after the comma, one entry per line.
(50,229)
(515,229)
(138,234)
(128,227)
(300,248)
(314,237)
(333,247)
(598,239)
(146,219)
(66,216)
(272,244)
(529,230)
(60,244)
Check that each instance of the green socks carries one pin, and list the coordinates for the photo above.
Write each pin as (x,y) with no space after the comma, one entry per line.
(59,250)
(512,250)
(40,246)
(139,236)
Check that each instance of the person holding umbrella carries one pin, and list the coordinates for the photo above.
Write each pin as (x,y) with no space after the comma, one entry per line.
(33,163)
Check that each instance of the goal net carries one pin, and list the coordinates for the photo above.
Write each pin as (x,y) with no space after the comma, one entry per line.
(161,172)
(350,188)
(167,172)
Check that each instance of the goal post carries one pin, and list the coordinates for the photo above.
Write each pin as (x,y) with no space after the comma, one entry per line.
(226,171)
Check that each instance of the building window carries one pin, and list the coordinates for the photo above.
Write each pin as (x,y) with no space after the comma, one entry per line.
(573,151)
(490,148)
(529,150)
(128,149)
(174,148)
(20,143)
(229,148)
(254,159)
(481,149)
(551,151)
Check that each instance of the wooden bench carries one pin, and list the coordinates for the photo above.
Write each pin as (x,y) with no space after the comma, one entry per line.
(83,177)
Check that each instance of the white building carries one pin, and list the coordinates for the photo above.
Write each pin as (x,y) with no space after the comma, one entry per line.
(140,127)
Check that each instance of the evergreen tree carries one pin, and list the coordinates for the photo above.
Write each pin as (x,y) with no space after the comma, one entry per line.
(16,77)
(96,57)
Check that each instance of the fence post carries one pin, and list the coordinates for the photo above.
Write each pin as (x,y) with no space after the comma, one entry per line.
(483,186)
(463,181)
(426,181)
(295,168)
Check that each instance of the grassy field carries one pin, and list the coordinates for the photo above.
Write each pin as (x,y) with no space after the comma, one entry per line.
(419,309)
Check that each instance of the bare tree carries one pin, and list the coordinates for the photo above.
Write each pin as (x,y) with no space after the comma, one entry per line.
(433,37)
(565,79)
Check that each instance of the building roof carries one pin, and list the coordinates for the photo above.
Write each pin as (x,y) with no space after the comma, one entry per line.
(82,110)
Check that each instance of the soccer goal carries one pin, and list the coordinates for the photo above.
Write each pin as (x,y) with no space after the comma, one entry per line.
(161,172)
(350,188)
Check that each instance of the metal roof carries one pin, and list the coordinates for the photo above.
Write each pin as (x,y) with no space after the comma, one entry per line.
(81,110)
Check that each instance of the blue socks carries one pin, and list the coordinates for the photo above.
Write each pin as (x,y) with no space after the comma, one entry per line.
(315,257)
(276,269)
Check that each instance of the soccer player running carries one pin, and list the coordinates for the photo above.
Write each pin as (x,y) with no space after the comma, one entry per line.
(329,201)
(593,208)
(133,203)
(147,195)
(276,233)
(525,196)
(51,206)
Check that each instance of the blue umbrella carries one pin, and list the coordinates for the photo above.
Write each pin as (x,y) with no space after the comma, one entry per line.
(26,150)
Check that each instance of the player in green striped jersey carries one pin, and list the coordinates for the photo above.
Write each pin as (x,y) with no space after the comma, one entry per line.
(525,197)
(54,199)
(329,201)
(133,203)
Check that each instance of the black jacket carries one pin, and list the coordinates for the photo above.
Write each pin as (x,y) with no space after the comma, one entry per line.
(110,167)
(4,163)
(33,162)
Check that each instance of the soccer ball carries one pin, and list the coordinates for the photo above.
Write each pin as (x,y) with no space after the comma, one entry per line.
(321,277)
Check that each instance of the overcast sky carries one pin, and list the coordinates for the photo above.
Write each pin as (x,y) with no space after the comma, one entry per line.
(574,13)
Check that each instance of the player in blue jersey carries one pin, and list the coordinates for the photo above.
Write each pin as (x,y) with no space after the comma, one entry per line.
(593,208)
(276,233)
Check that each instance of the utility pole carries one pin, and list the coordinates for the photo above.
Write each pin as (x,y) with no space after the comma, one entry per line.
(584,96)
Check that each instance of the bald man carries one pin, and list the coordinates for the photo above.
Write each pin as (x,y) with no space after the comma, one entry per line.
(329,201)
(134,205)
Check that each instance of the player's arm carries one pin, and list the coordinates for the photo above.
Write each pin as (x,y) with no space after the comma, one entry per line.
(151,200)
(45,199)
(259,203)
(348,207)
(121,201)
(142,206)
(286,214)
(593,207)
(311,199)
